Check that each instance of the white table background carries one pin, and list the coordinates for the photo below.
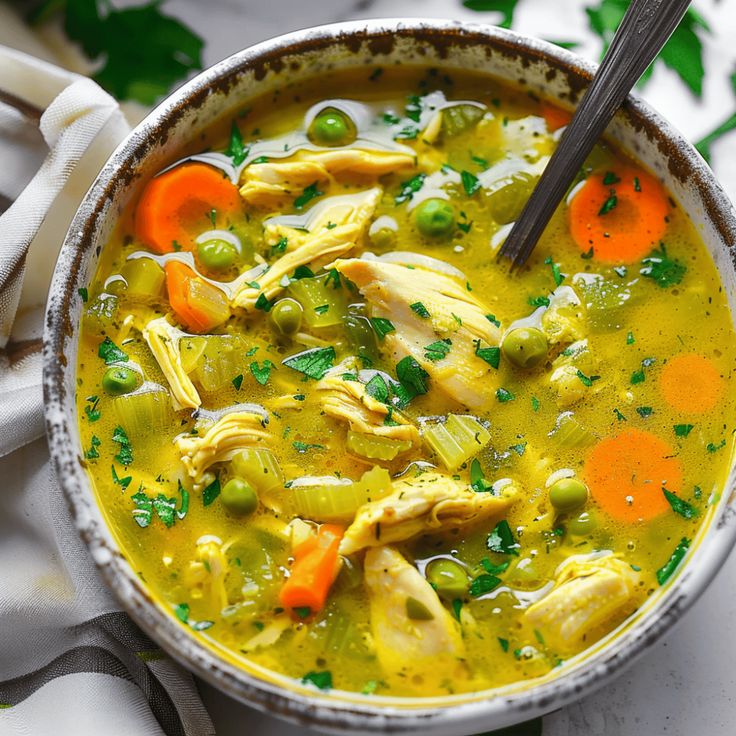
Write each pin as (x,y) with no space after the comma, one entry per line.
(685,685)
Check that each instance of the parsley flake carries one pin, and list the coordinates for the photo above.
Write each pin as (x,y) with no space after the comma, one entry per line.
(313,363)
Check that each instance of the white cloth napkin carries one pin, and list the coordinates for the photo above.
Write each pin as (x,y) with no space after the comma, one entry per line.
(71,663)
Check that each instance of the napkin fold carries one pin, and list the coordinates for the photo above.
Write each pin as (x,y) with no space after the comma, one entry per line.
(70,661)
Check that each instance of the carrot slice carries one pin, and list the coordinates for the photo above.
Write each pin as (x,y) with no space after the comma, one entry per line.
(691,383)
(175,205)
(198,305)
(315,567)
(555,117)
(620,214)
(626,475)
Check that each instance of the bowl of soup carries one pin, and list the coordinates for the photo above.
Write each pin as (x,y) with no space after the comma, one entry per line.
(327,450)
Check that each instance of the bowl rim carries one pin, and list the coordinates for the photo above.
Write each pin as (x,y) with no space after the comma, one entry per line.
(320,710)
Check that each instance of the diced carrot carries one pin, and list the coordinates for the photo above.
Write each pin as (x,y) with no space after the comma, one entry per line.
(620,214)
(198,305)
(626,475)
(315,567)
(175,205)
(555,116)
(691,383)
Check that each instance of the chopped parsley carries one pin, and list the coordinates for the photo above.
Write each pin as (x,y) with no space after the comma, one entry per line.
(471,183)
(501,539)
(412,376)
(630,338)
(713,447)
(679,506)
(313,363)
(377,389)
(610,178)
(125,454)
(408,188)
(437,350)
(420,309)
(211,492)
(535,403)
(682,430)
(557,277)
(280,246)
(263,303)
(382,326)
(311,192)
(261,372)
(235,149)
(302,447)
(665,572)
(122,482)
(492,319)
(538,301)
(491,355)
(608,205)
(662,269)
(321,680)
(478,480)
(91,410)
(503,643)
(111,353)
(237,381)
(483,584)
(145,506)
(457,607)
(644,411)
(83,293)
(619,415)
(93,453)
(181,611)
(503,395)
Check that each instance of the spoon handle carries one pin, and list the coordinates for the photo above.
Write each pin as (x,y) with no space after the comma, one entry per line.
(643,32)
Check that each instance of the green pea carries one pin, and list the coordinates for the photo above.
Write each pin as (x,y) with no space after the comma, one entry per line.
(568,494)
(417,611)
(582,525)
(384,238)
(239,498)
(525,346)
(119,380)
(435,218)
(286,315)
(217,254)
(448,578)
(332,128)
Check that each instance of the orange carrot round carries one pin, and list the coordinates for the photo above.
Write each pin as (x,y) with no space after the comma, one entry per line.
(691,383)
(555,117)
(316,564)
(175,206)
(626,475)
(620,214)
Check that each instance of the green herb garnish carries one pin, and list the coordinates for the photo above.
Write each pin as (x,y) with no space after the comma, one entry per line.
(111,353)
(313,363)
(665,572)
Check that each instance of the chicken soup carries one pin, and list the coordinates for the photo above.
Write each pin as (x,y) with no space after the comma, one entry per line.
(340,442)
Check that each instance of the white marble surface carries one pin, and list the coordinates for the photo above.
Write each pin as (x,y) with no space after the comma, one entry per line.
(686,684)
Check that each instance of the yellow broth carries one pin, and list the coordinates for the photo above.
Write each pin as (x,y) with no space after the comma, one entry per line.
(220,574)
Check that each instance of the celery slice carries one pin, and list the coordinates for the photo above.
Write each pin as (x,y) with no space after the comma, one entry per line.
(144,411)
(457,440)
(260,468)
(569,433)
(191,349)
(220,361)
(338,499)
(324,305)
(375,447)
(144,278)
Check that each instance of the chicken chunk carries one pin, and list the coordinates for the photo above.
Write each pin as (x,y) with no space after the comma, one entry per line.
(235,431)
(333,227)
(454,314)
(350,402)
(589,598)
(163,340)
(432,502)
(275,182)
(396,589)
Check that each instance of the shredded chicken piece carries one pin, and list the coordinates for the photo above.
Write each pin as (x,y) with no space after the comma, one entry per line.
(432,502)
(402,642)
(347,217)
(590,597)
(163,340)
(235,431)
(455,314)
(349,401)
(270,184)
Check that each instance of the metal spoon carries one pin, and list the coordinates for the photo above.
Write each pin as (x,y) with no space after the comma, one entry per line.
(643,32)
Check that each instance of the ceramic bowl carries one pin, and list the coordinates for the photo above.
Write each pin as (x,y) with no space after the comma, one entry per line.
(543,70)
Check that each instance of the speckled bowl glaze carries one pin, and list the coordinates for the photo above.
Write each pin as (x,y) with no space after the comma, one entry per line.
(542,69)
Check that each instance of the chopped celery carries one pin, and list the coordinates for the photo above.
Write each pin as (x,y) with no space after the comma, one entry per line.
(259,468)
(337,499)
(507,196)
(360,333)
(144,411)
(457,440)
(144,278)
(460,118)
(100,314)
(220,360)
(569,433)
(191,349)
(606,300)
(324,303)
(376,447)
